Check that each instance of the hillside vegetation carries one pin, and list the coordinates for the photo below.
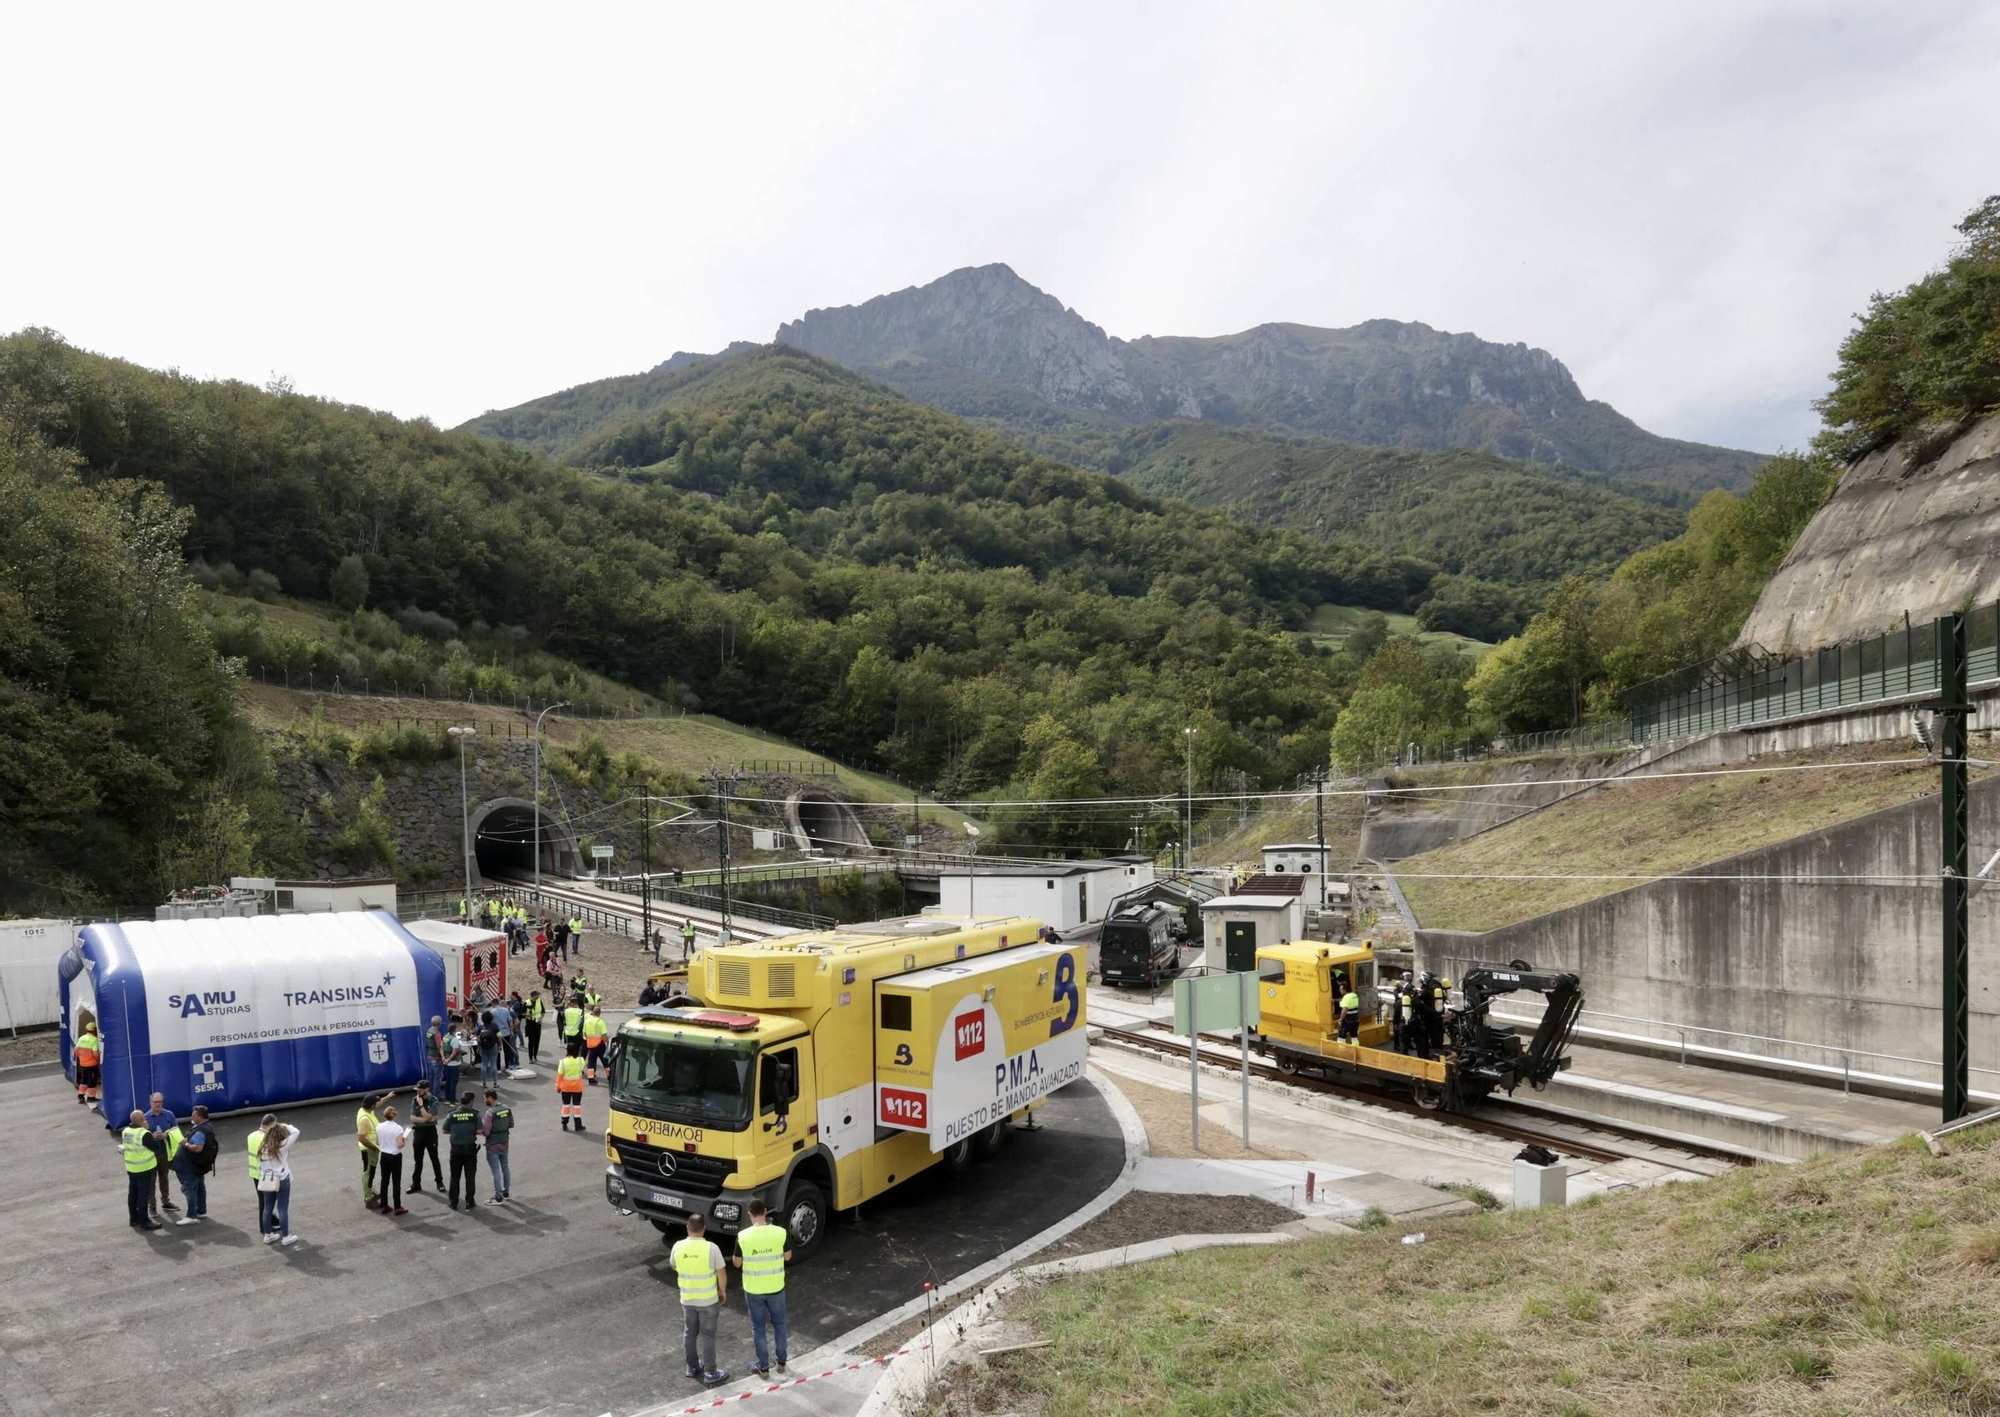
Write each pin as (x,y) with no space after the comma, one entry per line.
(1641,826)
(1474,514)
(789,547)
(1849,1285)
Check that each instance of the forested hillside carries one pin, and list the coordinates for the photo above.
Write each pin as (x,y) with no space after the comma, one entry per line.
(789,546)
(1520,526)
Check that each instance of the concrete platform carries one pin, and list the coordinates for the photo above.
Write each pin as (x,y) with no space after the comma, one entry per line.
(551,1304)
(1363,1141)
(1772,1117)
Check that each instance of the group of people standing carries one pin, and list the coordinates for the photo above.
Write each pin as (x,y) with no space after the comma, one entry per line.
(154,1142)
(386,1137)
(507,915)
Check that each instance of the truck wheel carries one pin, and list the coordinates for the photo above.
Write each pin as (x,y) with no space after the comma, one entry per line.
(958,1156)
(993,1139)
(805,1218)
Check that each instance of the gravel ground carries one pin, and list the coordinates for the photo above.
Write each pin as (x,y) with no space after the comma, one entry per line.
(36,1047)
(1165,1115)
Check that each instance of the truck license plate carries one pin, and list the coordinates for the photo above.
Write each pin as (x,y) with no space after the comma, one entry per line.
(672,1201)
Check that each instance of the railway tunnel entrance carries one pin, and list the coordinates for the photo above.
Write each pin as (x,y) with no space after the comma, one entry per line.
(824,823)
(503,840)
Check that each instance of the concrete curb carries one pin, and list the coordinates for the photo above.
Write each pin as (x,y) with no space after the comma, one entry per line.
(905,1377)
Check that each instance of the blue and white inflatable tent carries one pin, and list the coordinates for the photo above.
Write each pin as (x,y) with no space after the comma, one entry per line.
(251,1012)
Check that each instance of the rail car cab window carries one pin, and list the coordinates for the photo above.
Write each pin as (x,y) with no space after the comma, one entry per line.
(1271,971)
(681,1081)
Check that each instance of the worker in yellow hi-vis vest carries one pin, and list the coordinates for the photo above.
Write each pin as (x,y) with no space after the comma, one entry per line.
(595,1032)
(762,1253)
(140,1164)
(704,1285)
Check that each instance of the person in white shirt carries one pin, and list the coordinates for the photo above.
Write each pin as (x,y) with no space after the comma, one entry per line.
(391,1136)
(274,1184)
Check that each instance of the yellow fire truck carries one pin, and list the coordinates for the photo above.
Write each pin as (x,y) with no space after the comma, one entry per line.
(814,1071)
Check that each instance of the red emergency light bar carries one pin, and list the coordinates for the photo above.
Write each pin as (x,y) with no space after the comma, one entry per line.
(735,1023)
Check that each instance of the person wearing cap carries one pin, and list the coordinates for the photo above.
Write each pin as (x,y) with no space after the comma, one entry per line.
(463,1124)
(496,1124)
(762,1253)
(364,1134)
(89,1070)
(424,1139)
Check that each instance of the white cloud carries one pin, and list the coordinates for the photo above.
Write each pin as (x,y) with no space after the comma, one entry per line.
(441,210)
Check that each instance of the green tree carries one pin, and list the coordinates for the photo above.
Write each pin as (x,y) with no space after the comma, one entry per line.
(1375,727)
(347,587)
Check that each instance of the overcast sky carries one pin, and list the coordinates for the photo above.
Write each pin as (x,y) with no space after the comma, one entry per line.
(443,209)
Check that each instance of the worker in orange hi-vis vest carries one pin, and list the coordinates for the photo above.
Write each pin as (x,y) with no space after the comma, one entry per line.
(88,1076)
(595,1034)
(569,1091)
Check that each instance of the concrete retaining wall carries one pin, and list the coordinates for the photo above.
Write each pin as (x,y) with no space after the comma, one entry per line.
(1842,964)
(1395,830)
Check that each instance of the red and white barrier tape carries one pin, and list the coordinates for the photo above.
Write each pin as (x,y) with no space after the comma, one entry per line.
(745,1396)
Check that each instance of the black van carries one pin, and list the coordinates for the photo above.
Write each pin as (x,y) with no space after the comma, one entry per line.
(1140,946)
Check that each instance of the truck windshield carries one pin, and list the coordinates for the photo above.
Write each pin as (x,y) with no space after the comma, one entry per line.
(703,1082)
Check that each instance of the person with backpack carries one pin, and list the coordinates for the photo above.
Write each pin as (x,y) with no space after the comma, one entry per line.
(192,1163)
(489,1050)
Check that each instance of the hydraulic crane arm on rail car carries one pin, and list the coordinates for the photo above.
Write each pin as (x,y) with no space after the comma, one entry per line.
(1495,1053)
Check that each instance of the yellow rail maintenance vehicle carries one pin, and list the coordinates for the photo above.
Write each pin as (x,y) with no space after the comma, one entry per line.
(1415,1033)
(814,1071)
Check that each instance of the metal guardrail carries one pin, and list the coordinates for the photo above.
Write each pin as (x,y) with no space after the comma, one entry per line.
(443,905)
(1739,689)
(787,767)
(1678,1034)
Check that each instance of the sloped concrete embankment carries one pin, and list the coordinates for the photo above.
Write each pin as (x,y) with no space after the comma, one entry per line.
(1426,815)
(1832,938)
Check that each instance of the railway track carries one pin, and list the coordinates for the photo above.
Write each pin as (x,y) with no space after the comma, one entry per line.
(1225,1053)
(626,906)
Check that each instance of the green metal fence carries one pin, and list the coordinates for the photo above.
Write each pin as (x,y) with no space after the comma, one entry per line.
(1750,686)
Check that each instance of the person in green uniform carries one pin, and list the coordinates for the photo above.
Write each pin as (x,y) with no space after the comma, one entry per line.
(761,1253)
(462,1122)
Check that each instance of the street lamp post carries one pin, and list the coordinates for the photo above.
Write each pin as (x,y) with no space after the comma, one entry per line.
(538,801)
(1187,834)
(464,814)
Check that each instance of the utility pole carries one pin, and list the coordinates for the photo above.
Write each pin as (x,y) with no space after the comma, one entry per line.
(723,787)
(1187,836)
(646,875)
(1319,828)
(1949,712)
(538,802)
(464,816)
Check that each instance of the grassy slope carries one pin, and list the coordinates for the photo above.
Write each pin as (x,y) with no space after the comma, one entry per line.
(1649,824)
(1278,820)
(1855,1285)
(692,745)
(1332,624)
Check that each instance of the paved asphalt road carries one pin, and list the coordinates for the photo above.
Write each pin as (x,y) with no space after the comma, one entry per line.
(553,1303)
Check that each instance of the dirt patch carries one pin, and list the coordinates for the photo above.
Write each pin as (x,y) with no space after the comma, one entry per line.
(614,964)
(36,1047)
(1150,1215)
(1165,1115)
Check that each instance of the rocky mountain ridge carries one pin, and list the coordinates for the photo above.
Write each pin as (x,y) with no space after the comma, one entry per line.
(1383,382)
